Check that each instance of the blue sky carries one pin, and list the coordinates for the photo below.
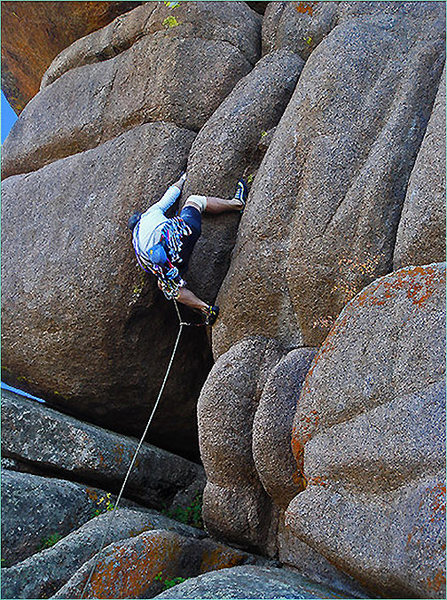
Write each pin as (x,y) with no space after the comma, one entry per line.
(8,117)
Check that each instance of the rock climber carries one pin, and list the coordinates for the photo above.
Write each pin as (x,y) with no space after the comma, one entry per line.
(164,246)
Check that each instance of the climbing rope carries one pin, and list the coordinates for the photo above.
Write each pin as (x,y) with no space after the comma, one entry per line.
(111,518)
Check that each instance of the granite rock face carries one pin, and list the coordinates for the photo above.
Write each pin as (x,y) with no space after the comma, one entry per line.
(136,568)
(83,327)
(35,508)
(226,149)
(235,506)
(33,34)
(102,332)
(320,225)
(178,74)
(298,26)
(330,460)
(253,582)
(370,440)
(51,442)
(324,208)
(272,426)
(44,573)
(421,234)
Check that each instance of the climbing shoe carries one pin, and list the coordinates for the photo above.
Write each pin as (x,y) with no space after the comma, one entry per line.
(241,193)
(212,312)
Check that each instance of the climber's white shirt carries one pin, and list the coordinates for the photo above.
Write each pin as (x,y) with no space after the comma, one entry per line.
(152,221)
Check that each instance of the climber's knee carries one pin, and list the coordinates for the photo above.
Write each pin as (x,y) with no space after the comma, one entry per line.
(198,202)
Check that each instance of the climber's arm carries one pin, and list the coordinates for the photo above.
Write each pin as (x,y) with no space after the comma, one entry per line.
(171,195)
(188,298)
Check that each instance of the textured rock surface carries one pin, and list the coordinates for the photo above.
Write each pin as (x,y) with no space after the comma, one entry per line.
(235,506)
(49,440)
(226,149)
(421,234)
(82,326)
(252,582)
(137,567)
(43,574)
(33,34)
(298,26)
(205,21)
(371,439)
(179,74)
(34,508)
(324,208)
(272,427)
(312,565)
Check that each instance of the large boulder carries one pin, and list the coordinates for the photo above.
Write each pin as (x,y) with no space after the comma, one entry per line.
(82,326)
(50,441)
(44,573)
(421,234)
(226,149)
(298,26)
(236,507)
(203,21)
(250,581)
(33,34)
(155,72)
(272,431)
(369,437)
(34,509)
(324,209)
(138,567)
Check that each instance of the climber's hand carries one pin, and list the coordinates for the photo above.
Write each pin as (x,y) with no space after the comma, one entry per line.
(179,184)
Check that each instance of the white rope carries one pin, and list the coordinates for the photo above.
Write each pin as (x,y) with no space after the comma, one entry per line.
(110,520)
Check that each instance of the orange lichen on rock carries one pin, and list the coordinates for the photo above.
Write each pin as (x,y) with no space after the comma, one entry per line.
(438,581)
(419,283)
(221,557)
(437,505)
(299,480)
(318,481)
(306,7)
(92,494)
(127,571)
(297,449)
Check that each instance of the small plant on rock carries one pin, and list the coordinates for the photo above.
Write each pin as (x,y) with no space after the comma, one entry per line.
(104,504)
(169,583)
(50,541)
(190,515)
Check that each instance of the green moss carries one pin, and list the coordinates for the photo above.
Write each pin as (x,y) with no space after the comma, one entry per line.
(50,541)
(190,515)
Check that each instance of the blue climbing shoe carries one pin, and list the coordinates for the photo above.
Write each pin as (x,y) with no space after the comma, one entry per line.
(241,193)
(212,313)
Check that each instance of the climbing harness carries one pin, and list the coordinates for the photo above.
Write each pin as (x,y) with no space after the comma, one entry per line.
(110,520)
(171,238)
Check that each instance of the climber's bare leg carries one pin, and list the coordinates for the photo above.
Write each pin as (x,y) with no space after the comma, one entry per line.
(218,205)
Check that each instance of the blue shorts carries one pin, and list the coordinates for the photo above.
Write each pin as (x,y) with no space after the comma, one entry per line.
(192,217)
